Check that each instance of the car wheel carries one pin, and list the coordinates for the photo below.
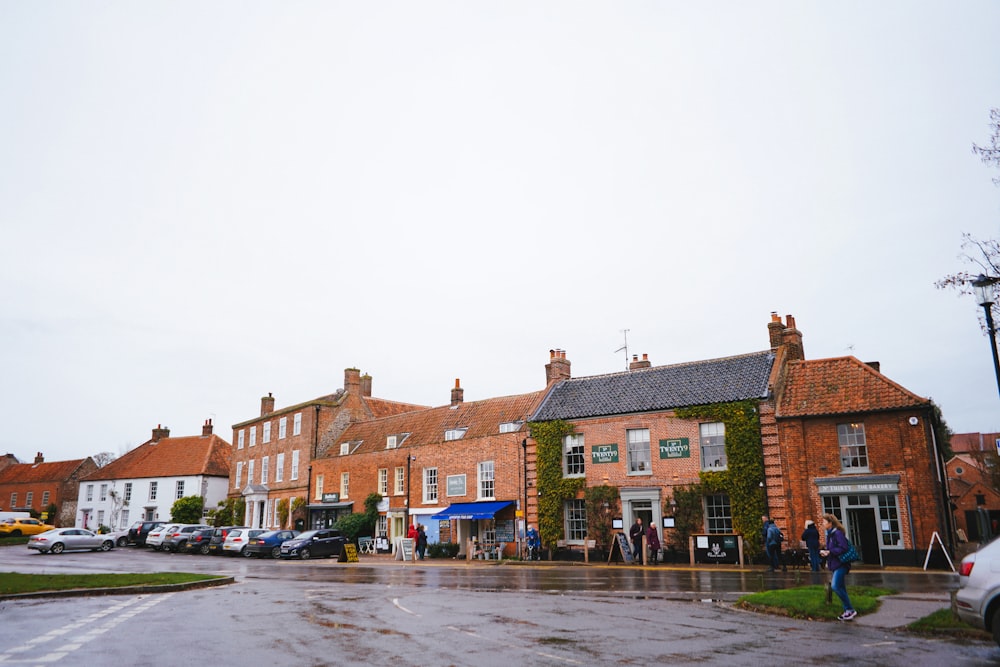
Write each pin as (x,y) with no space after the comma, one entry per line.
(304,554)
(57,548)
(181,546)
(203,550)
(122,541)
(164,547)
(15,533)
(107,545)
(996,627)
(276,552)
(246,554)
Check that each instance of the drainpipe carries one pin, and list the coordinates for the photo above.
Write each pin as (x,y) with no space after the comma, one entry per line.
(523,538)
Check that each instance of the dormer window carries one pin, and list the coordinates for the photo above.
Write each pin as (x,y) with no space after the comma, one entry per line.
(455,433)
(345,448)
(390,442)
(511,427)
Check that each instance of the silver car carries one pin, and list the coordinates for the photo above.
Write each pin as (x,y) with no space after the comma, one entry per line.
(978,600)
(70,539)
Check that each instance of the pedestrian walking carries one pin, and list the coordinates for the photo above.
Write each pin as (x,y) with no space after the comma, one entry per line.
(421,541)
(636,533)
(836,546)
(653,540)
(534,543)
(811,537)
(772,544)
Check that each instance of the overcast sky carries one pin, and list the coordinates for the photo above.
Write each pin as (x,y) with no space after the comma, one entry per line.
(203,202)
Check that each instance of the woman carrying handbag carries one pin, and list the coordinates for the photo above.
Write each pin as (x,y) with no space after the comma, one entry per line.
(839,553)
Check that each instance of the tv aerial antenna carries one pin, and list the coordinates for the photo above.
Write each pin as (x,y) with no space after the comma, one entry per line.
(624,347)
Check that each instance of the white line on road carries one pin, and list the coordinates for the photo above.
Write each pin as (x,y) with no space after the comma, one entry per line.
(395,601)
(19,654)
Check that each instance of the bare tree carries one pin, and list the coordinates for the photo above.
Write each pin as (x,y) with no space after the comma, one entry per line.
(103,458)
(990,154)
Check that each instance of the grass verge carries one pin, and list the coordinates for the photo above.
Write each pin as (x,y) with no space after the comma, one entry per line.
(809,602)
(12,583)
(944,622)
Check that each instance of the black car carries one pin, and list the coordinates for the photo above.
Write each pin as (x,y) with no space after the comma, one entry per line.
(197,543)
(139,531)
(269,544)
(322,542)
(218,537)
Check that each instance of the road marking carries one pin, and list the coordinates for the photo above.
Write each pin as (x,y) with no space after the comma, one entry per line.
(556,657)
(395,601)
(120,613)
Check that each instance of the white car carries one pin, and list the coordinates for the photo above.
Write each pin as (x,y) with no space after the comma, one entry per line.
(158,535)
(978,600)
(69,539)
(237,540)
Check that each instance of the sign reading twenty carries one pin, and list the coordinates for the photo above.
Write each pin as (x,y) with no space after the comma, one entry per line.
(678,448)
(604,453)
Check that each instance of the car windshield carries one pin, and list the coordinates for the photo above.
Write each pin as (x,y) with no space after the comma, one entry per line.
(308,535)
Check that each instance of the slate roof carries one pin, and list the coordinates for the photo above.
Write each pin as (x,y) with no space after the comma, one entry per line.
(840,385)
(660,388)
(481,418)
(25,473)
(171,457)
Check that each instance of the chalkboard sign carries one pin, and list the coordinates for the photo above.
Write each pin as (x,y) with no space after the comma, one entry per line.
(349,554)
(505,530)
(621,544)
(404,548)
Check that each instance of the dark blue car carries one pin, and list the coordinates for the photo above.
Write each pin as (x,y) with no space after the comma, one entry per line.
(269,543)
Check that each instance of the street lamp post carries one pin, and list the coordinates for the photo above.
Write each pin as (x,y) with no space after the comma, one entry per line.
(983,288)
(408,460)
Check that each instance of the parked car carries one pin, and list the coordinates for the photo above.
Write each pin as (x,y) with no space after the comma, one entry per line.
(140,530)
(197,543)
(119,537)
(158,535)
(58,540)
(322,542)
(978,600)
(19,526)
(218,537)
(176,540)
(269,543)
(237,540)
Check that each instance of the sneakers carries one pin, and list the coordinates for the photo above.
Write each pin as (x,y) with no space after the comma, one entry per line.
(847,615)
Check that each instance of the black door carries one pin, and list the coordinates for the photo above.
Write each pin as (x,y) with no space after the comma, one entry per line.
(864,534)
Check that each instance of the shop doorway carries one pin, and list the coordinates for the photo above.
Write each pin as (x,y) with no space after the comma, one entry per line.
(641,509)
(863,533)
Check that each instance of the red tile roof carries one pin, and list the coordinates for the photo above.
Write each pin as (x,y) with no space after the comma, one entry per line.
(171,457)
(974,442)
(481,418)
(840,385)
(56,471)
(381,407)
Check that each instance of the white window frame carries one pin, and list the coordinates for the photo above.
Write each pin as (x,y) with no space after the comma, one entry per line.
(319,487)
(430,485)
(486,481)
(638,451)
(29,498)
(511,427)
(399,481)
(852,445)
(265,468)
(712,451)
(574,448)
(154,488)
(345,448)
(282,428)
(240,438)
(345,484)
(279,468)
(390,442)
(13,499)
(250,467)
(45,499)
(265,435)
(297,423)
(383,482)
(295,464)
(104,493)
(239,474)
(127,495)
(179,489)
(89,496)
(253,436)
(455,433)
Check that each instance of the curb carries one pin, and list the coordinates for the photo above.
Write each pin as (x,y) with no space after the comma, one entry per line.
(120,590)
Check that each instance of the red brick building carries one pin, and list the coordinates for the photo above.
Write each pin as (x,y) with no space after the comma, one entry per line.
(458,469)
(273,452)
(36,485)
(970,489)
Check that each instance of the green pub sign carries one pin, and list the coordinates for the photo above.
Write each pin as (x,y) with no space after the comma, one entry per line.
(604,453)
(678,448)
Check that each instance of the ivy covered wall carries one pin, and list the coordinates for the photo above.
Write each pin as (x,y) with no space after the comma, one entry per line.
(554,490)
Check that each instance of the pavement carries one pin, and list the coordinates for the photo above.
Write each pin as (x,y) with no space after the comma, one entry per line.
(895,611)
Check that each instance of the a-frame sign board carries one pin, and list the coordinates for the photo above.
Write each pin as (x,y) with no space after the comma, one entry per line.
(621,546)
(930,546)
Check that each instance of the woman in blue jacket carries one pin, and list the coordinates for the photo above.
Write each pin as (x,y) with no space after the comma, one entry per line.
(836,546)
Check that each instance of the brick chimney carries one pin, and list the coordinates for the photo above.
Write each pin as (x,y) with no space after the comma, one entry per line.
(457,394)
(352,381)
(639,364)
(366,385)
(39,458)
(266,404)
(558,367)
(785,334)
(160,432)
(206,429)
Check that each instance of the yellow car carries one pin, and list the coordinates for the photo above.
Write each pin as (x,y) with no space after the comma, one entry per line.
(16,527)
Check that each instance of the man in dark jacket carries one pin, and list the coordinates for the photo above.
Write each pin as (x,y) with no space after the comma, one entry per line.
(635,533)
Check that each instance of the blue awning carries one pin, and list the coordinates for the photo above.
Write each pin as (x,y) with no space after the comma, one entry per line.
(472,510)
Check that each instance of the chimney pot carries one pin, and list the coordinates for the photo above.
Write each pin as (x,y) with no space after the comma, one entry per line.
(558,367)
(457,394)
(266,404)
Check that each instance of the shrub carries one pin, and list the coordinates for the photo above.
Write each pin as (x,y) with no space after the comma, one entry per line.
(442,550)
